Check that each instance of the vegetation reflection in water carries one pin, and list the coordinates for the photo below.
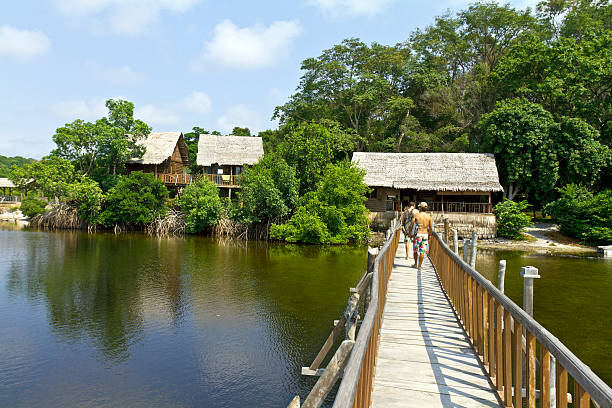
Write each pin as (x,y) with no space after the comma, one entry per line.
(128,320)
(572,299)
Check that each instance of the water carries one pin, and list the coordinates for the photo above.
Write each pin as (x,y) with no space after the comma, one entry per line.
(572,299)
(101,320)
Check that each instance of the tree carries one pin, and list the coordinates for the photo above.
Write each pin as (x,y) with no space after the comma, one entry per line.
(239,131)
(334,213)
(269,191)
(51,174)
(201,205)
(582,159)
(100,150)
(135,200)
(86,195)
(356,85)
(518,133)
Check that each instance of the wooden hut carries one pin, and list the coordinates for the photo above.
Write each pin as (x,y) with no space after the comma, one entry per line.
(7,186)
(166,155)
(223,158)
(462,186)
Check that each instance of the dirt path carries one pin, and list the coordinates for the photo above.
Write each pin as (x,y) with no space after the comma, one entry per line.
(543,243)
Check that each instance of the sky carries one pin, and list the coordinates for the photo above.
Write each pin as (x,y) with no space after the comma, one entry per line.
(183,63)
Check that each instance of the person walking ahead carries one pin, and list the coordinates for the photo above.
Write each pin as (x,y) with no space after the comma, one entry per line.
(407,218)
(425,228)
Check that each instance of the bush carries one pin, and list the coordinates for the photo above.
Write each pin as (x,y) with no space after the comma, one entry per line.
(511,219)
(31,206)
(201,205)
(136,200)
(583,215)
(335,213)
(86,195)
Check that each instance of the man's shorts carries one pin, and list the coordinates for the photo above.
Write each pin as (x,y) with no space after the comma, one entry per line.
(421,243)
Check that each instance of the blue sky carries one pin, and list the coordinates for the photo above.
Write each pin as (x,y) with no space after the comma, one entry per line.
(184,63)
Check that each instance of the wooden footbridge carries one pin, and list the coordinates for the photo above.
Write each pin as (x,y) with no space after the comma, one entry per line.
(444,337)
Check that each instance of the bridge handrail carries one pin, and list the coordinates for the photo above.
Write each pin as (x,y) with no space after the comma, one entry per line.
(356,386)
(463,301)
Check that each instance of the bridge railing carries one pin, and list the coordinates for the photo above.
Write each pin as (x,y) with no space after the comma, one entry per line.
(490,318)
(356,387)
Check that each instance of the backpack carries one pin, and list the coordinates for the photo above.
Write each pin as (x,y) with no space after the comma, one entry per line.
(415,228)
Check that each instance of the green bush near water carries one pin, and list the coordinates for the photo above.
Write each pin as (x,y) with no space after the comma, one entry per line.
(201,205)
(31,206)
(511,218)
(583,215)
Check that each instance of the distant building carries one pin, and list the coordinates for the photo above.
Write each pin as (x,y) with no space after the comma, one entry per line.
(166,156)
(223,158)
(5,184)
(461,186)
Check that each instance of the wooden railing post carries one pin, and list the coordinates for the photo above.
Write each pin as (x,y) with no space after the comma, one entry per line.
(501,275)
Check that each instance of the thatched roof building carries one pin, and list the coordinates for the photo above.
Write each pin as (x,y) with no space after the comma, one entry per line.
(160,146)
(229,150)
(458,172)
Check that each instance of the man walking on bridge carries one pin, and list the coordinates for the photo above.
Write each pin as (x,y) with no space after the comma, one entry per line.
(425,227)
(407,218)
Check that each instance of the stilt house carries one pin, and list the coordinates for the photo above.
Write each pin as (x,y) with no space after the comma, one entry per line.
(166,156)
(459,186)
(224,158)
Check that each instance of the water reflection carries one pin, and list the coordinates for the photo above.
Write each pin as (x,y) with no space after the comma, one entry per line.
(163,322)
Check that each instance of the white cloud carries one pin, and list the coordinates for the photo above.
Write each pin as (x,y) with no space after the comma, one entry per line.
(354,7)
(123,75)
(130,17)
(250,47)
(22,44)
(239,115)
(197,102)
(80,109)
(156,115)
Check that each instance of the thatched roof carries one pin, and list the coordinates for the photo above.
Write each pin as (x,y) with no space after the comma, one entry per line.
(6,183)
(229,150)
(430,171)
(159,146)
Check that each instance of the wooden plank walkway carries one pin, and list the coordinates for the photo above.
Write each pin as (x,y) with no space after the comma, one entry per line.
(424,357)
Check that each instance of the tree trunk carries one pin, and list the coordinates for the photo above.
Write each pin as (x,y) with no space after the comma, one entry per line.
(511,191)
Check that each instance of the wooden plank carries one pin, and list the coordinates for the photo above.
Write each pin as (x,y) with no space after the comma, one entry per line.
(544,377)
(561,385)
(335,334)
(582,398)
(295,402)
(491,337)
(518,365)
(499,364)
(531,370)
(486,329)
(507,359)
(325,383)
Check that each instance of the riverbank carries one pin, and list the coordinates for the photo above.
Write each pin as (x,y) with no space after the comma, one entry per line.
(541,238)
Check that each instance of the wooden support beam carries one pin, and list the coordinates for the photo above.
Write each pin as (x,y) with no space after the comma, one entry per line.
(332,372)
(295,402)
(335,334)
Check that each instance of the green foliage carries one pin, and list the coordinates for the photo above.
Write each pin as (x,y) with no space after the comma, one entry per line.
(518,133)
(239,131)
(334,213)
(201,205)
(52,175)
(136,200)
(86,195)
(31,206)
(511,218)
(6,163)
(269,191)
(100,150)
(583,215)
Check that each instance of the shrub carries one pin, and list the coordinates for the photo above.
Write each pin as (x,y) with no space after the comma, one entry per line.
(511,219)
(335,213)
(136,200)
(31,206)
(201,205)
(583,215)
(86,195)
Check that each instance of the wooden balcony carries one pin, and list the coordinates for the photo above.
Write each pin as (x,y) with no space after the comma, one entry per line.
(482,208)
(175,179)
(223,180)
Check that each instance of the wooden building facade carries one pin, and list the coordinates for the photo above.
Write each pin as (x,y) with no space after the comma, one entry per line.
(166,156)
(224,158)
